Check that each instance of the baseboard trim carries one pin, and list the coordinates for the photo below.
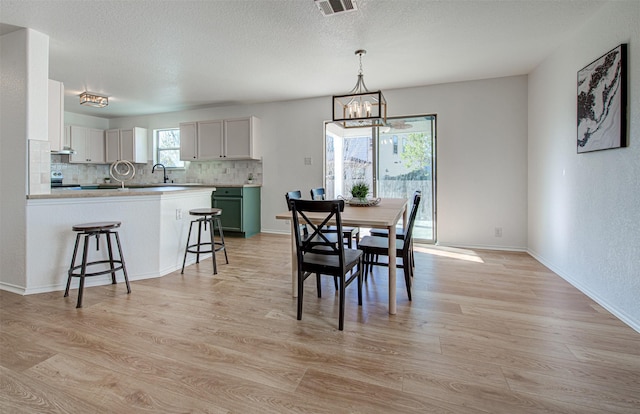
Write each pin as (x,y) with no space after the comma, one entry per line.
(627,319)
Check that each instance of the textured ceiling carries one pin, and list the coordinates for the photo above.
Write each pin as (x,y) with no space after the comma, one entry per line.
(152,56)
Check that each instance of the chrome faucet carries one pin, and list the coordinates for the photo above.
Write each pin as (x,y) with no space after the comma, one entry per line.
(164,171)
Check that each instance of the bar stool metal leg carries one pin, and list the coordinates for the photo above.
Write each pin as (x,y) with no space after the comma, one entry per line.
(73,261)
(111,264)
(186,250)
(213,243)
(124,267)
(223,246)
(83,270)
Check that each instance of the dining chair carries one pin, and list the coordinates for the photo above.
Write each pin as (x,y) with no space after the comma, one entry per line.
(399,231)
(320,255)
(333,235)
(375,246)
(348,233)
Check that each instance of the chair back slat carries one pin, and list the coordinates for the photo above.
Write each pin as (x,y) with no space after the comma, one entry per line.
(316,240)
(318,193)
(412,218)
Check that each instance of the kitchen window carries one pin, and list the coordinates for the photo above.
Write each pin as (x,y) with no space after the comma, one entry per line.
(168,147)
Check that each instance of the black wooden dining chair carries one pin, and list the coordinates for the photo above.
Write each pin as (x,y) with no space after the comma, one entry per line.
(375,246)
(322,255)
(399,231)
(348,233)
(332,234)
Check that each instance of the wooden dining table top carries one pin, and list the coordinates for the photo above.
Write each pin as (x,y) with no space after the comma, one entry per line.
(385,214)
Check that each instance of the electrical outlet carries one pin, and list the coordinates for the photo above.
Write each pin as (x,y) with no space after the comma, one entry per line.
(498,232)
(178,214)
(307,161)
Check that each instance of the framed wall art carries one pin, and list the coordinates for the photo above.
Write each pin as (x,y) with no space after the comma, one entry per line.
(602,102)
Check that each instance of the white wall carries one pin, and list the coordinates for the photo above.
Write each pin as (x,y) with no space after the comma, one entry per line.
(481,158)
(24,65)
(482,144)
(584,216)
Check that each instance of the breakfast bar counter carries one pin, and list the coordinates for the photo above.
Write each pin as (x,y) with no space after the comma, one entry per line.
(155,222)
(88,191)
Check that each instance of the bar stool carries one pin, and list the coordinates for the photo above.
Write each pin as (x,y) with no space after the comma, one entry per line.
(95,229)
(211,216)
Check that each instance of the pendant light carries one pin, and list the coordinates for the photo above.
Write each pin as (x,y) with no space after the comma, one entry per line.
(360,107)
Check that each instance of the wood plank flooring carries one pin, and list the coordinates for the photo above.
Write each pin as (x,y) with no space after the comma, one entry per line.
(486,332)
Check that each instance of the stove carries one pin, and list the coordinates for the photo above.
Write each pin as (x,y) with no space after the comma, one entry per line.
(56,181)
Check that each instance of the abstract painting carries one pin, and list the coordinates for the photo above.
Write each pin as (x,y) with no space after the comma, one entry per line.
(602,102)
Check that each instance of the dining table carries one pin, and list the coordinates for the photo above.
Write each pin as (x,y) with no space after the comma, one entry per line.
(383,215)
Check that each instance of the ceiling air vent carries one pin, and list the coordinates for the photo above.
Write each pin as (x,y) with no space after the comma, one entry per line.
(331,7)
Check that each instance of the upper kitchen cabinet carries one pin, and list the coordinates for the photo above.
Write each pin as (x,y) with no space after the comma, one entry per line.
(242,138)
(56,117)
(201,141)
(88,144)
(126,144)
(220,139)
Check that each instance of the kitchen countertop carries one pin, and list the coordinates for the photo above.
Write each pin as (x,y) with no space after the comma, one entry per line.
(115,191)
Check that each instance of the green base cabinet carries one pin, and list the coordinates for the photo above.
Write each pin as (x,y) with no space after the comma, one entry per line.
(240,209)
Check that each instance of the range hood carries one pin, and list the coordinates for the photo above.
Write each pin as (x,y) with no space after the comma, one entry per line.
(64,151)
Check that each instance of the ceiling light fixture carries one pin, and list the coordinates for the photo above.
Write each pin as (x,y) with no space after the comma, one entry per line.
(360,107)
(93,99)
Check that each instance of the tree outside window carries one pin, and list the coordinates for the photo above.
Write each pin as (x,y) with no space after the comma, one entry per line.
(168,147)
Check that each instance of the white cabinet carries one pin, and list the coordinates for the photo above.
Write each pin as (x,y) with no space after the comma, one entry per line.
(189,141)
(88,144)
(56,116)
(210,137)
(201,141)
(236,138)
(126,144)
(242,138)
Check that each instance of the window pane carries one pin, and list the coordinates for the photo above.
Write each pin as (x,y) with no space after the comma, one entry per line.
(170,158)
(404,160)
(169,138)
(168,147)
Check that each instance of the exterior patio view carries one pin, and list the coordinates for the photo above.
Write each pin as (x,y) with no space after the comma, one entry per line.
(395,161)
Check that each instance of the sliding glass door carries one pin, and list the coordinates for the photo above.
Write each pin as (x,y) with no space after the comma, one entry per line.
(395,160)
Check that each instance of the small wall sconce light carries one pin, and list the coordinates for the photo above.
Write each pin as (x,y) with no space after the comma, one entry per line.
(92,99)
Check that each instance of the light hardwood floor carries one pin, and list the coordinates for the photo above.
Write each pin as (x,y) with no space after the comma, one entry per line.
(486,332)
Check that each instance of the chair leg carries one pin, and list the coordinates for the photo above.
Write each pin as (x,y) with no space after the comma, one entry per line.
(318,285)
(365,265)
(300,294)
(407,274)
(83,270)
(360,282)
(199,243)
(73,261)
(184,260)
(124,266)
(213,242)
(341,313)
(110,251)
(335,282)
(224,246)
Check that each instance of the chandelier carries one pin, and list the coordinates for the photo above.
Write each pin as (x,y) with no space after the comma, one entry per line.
(360,107)
(92,99)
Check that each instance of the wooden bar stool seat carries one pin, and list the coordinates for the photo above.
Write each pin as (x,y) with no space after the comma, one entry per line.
(88,230)
(211,216)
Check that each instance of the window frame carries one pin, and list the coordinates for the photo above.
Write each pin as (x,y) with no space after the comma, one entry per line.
(159,150)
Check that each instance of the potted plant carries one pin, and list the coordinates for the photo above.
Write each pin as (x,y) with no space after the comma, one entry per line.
(360,190)
(250,178)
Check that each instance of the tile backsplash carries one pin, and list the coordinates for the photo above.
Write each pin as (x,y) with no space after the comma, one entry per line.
(203,172)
